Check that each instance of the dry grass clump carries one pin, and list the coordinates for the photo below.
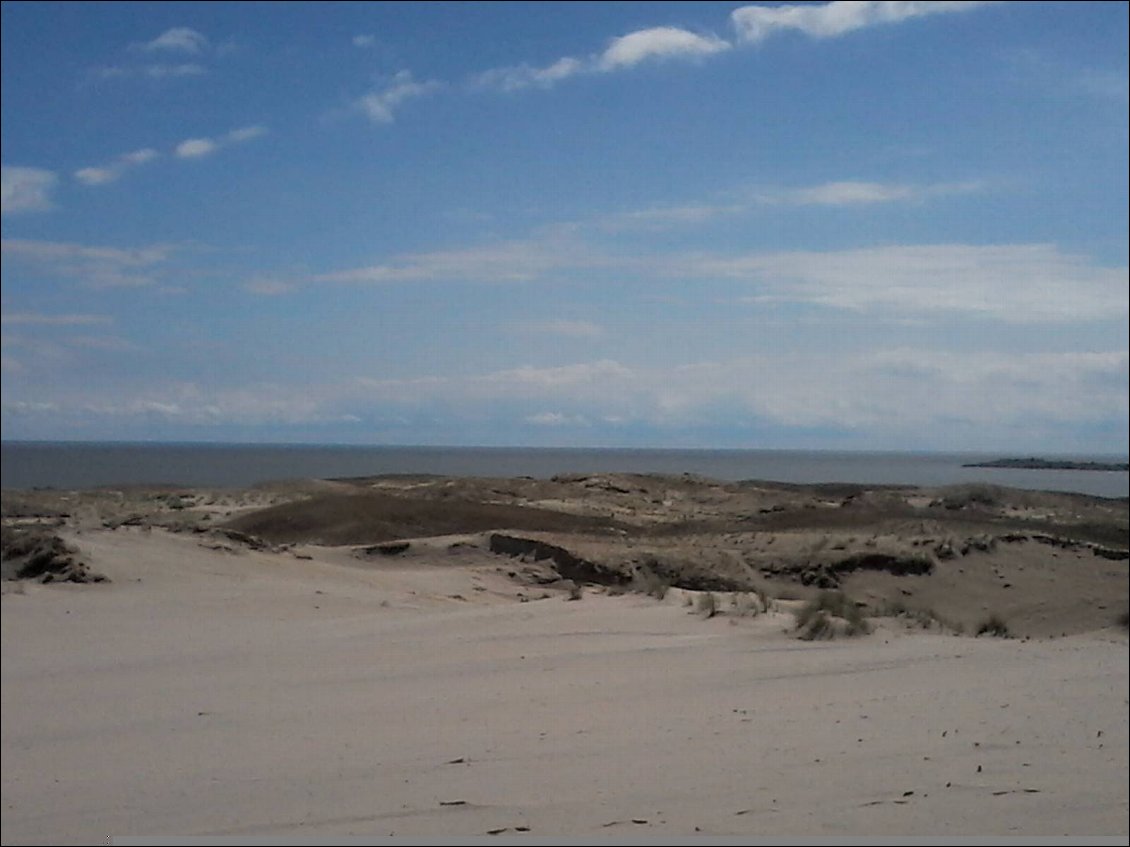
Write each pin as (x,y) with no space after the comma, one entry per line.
(745,605)
(923,618)
(828,615)
(995,626)
(647,581)
(706,605)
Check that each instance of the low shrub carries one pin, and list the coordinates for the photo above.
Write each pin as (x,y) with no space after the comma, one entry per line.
(995,626)
(706,605)
(829,614)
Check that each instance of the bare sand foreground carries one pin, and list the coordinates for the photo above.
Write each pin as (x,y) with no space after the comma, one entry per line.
(217,688)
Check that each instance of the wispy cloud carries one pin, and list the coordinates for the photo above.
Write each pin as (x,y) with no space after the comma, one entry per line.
(268,287)
(191,148)
(657,218)
(247,133)
(853,193)
(1007,283)
(380,105)
(840,193)
(829,20)
(977,397)
(150,71)
(1050,74)
(517,77)
(627,51)
(158,60)
(752,25)
(34,319)
(96,266)
(1012,283)
(196,148)
(511,261)
(188,403)
(364,40)
(25,189)
(184,69)
(895,395)
(556,419)
(111,172)
(179,39)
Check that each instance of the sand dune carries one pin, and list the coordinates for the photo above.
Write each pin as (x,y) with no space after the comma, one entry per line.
(213,689)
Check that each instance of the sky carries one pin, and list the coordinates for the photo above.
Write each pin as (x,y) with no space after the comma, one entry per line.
(845,225)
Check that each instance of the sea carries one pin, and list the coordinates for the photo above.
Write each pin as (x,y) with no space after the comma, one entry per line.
(76,465)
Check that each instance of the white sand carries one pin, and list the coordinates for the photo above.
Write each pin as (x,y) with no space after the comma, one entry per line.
(222,694)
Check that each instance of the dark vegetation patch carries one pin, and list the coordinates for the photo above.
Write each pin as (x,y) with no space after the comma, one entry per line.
(828,615)
(564,562)
(37,553)
(994,625)
(373,517)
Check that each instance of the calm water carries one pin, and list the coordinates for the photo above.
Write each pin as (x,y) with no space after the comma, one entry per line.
(87,465)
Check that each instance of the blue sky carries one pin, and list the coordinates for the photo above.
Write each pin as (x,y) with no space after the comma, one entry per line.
(873,225)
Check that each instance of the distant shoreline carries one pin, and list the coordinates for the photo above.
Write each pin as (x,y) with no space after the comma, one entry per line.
(1033,463)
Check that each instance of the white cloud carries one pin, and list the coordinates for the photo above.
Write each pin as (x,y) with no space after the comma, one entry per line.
(1025,283)
(151,71)
(247,133)
(25,189)
(896,396)
(829,20)
(511,261)
(380,106)
(99,267)
(364,40)
(627,51)
(96,176)
(163,71)
(189,403)
(524,76)
(531,378)
(194,148)
(851,193)
(179,39)
(33,319)
(556,419)
(753,24)
(842,193)
(140,157)
(105,174)
(666,217)
(658,43)
(915,395)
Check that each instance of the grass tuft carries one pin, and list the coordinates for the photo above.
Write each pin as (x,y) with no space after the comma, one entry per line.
(829,614)
(995,626)
(706,605)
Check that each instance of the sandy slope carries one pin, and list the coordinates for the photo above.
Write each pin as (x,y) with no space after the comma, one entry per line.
(205,692)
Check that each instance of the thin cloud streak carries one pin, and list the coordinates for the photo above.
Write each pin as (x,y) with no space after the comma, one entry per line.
(756,23)
(95,266)
(380,105)
(1012,283)
(179,39)
(752,25)
(29,319)
(26,189)
(622,53)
